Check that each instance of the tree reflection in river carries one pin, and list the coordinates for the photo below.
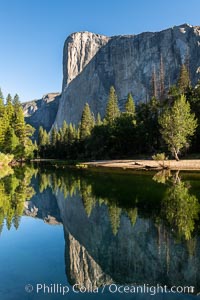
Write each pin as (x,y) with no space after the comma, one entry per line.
(15,189)
(179,207)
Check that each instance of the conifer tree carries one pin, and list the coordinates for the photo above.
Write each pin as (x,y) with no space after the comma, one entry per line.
(71,134)
(87,122)
(54,136)
(40,135)
(98,120)
(112,109)
(4,124)
(11,141)
(64,130)
(9,108)
(114,215)
(19,124)
(16,102)
(184,79)
(43,137)
(130,105)
(65,135)
(1,104)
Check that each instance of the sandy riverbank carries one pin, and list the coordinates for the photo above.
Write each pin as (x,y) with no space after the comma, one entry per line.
(189,164)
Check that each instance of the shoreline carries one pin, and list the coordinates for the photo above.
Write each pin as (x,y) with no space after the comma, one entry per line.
(143,164)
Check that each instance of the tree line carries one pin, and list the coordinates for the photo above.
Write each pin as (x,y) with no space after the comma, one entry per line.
(165,124)
(172,203)
(15,134)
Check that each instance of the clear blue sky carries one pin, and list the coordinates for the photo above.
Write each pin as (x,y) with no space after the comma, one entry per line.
(32,34)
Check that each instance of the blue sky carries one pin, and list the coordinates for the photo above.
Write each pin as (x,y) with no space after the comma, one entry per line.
(32,34)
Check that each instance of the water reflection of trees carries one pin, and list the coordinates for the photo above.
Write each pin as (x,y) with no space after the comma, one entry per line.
(170,202)
(179,207)
(15,189)
(70,184)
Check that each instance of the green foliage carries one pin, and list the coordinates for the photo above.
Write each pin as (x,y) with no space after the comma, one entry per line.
(5,160)
(112,109)
(115,217)
(99,121)
(87,122)
(15,134)
(181,209)
(184,79)
(162,176)
(130,105)
(177,125)
(14,191)
(135,131)
(159,156)
(132,214)
(148,136)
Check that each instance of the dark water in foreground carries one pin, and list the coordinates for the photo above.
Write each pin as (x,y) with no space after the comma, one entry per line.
(98,235)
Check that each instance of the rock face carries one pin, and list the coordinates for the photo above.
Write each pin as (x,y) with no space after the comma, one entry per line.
(78,50)
(81,268)
(146,252)
(42,112)
(143,253)
(92,63)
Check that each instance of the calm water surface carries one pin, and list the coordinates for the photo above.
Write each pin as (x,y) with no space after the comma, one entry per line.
(98,231)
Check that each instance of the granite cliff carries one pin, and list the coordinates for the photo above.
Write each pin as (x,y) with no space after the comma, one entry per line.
(92,63)
(139,253)
(41,112)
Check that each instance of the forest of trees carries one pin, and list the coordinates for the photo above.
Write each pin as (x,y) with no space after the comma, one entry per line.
(166,123)
(169,123)
(15,134)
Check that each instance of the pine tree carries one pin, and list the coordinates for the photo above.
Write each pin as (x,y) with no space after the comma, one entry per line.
(112,109)
(11,141)
(1,104)
(19,123)
(87,122)
(130,105)
(9,108)
(98,120)
(16,102)
(184,79)
(40,135)
(114,216)
(54,136)
(63,130)
(43,137)
(4,124)
(71,134)
(65,134)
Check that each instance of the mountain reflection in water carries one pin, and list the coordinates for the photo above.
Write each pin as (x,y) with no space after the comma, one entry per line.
(118,228)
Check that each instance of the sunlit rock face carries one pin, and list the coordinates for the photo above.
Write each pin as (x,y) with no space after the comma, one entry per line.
(92,63)
(81,268)
(41,112)
(79,49)
(43,206)
(143,253)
